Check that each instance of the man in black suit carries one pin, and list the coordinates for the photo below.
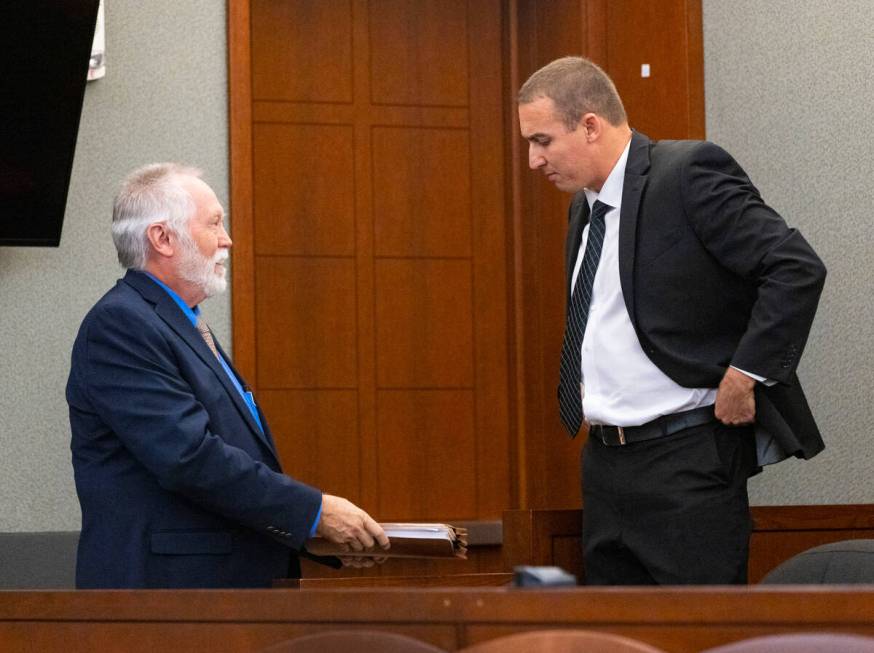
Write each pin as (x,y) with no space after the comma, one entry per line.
(689,304)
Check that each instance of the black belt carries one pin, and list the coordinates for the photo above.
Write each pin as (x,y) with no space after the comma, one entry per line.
(615,436)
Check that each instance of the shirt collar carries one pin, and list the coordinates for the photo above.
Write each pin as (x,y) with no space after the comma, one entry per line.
(611,191)
(191,313)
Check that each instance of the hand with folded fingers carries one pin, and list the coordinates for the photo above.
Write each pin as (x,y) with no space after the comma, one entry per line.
(344,523)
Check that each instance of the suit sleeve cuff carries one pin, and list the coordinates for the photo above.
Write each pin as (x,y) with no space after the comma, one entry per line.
(316,521)
(760,379)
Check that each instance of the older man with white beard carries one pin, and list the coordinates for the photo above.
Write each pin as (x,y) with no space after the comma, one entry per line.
(176,470)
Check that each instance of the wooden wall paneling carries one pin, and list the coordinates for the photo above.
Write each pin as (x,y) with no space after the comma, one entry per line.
(241,192)
(315,216)
(380,263)
(516,297)
(529,537)
(488,133)
(549,461)
(432,435)
(303,51)
(422,203)
(424,323)
(596,31)
(365,267)
(320,444)
(419,52)
(697,125)
(429,318)
(667,36)
(306,318)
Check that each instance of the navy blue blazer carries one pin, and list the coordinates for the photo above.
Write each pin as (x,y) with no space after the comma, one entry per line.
(178,485)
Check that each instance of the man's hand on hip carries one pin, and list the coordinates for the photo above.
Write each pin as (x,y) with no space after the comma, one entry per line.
(735,400)
(342,522)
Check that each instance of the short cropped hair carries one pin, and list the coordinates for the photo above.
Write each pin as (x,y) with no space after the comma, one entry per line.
(153,193)
(577,87)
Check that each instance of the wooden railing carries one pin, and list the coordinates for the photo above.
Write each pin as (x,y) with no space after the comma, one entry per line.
(678,620)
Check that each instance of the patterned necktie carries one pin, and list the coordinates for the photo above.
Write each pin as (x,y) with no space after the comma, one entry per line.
(207,336)
(570,401)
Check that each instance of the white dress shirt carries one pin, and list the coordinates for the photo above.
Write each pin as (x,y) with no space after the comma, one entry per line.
(620,384)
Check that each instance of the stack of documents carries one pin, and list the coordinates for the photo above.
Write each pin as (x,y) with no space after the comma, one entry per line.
(407,541)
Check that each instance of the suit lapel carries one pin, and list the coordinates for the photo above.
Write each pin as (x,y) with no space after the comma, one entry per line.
(636,171)
(168,311)
(265,436)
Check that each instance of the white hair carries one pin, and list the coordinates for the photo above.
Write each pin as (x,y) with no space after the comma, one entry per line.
(153,193)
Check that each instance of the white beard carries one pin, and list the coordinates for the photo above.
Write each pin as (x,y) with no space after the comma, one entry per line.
(197,269)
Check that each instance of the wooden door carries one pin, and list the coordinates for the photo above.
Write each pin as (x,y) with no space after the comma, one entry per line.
(654,53)
(369,280)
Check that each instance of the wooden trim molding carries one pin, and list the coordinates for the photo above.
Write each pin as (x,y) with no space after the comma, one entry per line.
(695,61)
(241,193)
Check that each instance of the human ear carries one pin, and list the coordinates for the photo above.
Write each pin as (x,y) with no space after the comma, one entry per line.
(591,125)
(159,238)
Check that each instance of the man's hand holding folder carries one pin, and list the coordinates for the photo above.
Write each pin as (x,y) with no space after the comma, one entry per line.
(407,540)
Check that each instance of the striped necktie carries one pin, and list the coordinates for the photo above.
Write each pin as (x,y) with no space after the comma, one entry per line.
(570,401)
(206,334)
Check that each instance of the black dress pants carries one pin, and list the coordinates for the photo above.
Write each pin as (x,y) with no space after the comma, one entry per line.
(669,511)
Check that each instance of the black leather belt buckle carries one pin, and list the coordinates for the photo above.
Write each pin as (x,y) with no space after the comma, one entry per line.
(611,436)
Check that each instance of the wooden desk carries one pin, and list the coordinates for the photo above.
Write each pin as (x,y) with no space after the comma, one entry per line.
(679,620)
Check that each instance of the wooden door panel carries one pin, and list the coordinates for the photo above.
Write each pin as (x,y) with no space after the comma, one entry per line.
(302,50)
(427,441)
(379,250)
(663,104)
(421,192)
(306,322)
(316,433)
(304,185)
(424,330)
(419,52)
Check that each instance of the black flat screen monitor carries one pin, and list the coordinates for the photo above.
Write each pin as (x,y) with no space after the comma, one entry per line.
(45,46)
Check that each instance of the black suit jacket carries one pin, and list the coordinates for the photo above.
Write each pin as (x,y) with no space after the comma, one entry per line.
(713,277)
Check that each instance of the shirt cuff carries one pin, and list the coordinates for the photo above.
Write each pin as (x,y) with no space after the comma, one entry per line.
(760,379)
(316,521)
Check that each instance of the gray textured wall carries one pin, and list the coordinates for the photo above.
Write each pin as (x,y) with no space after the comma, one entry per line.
(790,87)
(164,97)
